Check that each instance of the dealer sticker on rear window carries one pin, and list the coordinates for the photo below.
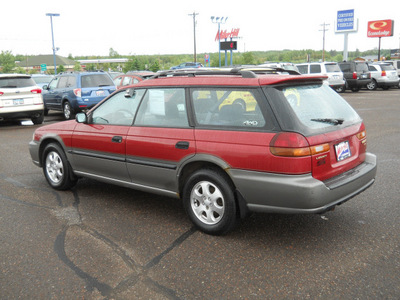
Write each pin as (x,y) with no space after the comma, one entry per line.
(342,150)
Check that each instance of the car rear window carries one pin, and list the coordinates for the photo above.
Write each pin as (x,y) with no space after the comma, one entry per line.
(331,68)
(387,67)
(318,106)
(16,82)
(96,80)
(361,67)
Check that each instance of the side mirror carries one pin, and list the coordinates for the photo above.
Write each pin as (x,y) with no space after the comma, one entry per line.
(45,87)
(129,93)
(81,118)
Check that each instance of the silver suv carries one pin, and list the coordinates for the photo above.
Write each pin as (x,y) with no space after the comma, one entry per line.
(384,76)
(20,98)
(330,69)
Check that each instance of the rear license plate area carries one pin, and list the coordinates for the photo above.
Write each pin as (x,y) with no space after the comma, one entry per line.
(342,151)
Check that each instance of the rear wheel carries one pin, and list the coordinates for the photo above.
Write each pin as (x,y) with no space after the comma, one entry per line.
(38,120)
(67,110)
(56,168)
(340,89)
(209,201)
(372,85)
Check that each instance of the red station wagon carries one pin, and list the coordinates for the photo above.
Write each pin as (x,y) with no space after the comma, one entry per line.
(225,142)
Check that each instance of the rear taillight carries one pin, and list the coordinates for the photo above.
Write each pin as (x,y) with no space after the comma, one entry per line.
(78,92)
(354,75)
(383,73)
(36,91)
(1,93)
(291,144)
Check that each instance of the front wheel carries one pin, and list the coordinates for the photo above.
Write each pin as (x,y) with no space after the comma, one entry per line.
(56,168)
(209,200)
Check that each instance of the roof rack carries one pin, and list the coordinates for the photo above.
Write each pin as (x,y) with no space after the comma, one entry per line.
(244,72)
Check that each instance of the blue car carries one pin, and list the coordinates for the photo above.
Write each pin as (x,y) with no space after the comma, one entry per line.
(73,92)
(187,65)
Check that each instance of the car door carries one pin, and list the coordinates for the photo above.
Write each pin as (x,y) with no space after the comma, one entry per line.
(160,140)
(99,145)
(50,94)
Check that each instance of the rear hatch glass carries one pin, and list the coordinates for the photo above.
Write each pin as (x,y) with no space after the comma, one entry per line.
(330,68)
(16,82)
(327,120)
(96,87)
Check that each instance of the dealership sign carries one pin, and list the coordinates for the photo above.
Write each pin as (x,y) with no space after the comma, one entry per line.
(224,34)
(345,21)
(381,28)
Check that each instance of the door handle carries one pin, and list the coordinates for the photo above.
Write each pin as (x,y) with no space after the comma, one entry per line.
(182,145)
(116,139)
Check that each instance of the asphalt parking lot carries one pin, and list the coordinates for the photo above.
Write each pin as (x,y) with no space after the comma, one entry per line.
(100,241)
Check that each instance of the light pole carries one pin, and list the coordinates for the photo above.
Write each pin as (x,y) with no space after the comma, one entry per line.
(219,20)
(51,15)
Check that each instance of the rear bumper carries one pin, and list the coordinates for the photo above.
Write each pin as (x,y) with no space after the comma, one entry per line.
(278,193)
(29,113)
(388,83)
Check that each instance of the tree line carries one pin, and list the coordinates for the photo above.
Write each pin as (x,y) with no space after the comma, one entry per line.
(164,62)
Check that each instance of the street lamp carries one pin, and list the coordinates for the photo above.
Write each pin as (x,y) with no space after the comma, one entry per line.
(219,20)
(51,15)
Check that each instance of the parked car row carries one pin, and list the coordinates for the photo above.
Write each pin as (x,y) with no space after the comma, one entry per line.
(354,75)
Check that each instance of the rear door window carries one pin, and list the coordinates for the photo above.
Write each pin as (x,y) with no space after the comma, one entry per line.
(315,69)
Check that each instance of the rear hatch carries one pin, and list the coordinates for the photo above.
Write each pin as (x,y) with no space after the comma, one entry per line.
(95,87)
(335,75)
(362,72)
(389,71)
(334,132)
(19,93)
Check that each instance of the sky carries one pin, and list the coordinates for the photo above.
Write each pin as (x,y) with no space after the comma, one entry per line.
(131,27)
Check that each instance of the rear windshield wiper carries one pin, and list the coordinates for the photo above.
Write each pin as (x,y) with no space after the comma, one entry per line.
(330,121)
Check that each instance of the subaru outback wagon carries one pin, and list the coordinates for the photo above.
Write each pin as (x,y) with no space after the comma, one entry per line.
(295,147)
(73,92)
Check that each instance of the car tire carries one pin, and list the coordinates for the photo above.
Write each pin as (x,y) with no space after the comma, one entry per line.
(67,111)
(340,89)
(38,120)
(355,89)
(46,112)
(56,168)
(372,85)
(209,200)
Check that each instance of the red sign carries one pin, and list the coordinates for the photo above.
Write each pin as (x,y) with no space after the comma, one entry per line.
(225,35)
(381,28)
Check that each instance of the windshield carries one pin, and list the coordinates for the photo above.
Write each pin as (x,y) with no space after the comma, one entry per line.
(318,106)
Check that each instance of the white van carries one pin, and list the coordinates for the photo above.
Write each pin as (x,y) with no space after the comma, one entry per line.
(330,69)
